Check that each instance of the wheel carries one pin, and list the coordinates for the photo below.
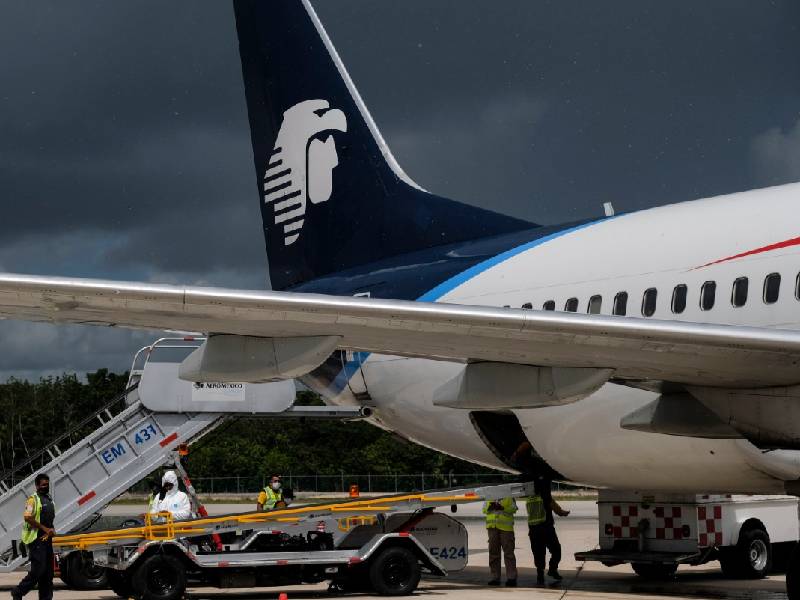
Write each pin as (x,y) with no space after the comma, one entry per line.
(654,571)
(64,573)
(750,558)
(159,577)
(119,582)
(78,571)
(793,575)
(394,572)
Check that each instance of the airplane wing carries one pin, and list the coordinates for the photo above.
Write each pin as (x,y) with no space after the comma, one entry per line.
(637,349)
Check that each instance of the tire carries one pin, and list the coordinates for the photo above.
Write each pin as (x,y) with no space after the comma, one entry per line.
(793,575)
(750,558)
(119,582)
(395,571)
(63,572)
(655,571)
(159,577)
(80,573)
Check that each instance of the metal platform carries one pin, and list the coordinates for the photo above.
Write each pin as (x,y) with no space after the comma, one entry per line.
(618,557)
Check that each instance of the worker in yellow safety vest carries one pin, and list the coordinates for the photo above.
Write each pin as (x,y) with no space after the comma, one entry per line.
(500,527)
(271,497)
(37,535)
(542,531)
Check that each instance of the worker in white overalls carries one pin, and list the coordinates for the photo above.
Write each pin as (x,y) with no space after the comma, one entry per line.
(172,499)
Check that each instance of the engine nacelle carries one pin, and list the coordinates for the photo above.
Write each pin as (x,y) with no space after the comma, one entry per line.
(243,358)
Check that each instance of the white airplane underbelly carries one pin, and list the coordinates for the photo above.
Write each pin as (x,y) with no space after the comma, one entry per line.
(583,441)
(402,390)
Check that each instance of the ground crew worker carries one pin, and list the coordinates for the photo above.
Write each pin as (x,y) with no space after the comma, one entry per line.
(271,497)
(542,531)
(171,499)
(500,527)
(37,535)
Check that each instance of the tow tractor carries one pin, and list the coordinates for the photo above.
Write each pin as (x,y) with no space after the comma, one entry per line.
(656,533)
(379,544)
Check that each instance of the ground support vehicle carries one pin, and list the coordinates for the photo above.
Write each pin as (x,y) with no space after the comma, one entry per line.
(382,544)
(656,533)
(132,436)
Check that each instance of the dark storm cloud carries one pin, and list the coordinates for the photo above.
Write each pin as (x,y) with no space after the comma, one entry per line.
(125,117)
(41,349)
(125,151)
(646,102)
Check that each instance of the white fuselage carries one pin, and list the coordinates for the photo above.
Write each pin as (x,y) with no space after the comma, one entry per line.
(656,249)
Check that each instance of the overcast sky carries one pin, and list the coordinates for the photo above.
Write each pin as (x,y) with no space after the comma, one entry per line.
(125,153)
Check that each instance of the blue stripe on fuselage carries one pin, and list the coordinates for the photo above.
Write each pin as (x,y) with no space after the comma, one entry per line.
(351,367)
(452,283)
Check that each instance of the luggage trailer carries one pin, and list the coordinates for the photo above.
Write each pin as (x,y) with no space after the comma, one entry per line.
(655,533)
(380,544)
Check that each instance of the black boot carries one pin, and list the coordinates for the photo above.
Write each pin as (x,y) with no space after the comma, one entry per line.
(540,577)
(553,572)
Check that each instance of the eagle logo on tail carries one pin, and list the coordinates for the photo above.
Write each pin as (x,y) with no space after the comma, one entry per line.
(301,166)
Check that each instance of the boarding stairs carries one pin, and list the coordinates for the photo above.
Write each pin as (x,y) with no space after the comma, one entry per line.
(132,436)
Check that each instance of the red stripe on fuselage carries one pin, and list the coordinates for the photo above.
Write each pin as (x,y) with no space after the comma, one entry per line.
(777,246)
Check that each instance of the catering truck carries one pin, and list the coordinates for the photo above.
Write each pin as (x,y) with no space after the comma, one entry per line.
(655,533)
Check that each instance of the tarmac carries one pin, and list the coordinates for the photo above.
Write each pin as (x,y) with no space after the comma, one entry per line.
(590,581)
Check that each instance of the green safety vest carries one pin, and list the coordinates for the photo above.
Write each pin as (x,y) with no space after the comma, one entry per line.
(273,498)
(29,534)
(504,521)
(536,512)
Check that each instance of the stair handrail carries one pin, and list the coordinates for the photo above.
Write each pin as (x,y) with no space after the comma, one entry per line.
(32,458)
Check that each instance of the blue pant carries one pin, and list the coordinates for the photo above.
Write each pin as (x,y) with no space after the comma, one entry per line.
(41,573)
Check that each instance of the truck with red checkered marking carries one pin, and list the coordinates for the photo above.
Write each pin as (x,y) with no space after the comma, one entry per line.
(655,533)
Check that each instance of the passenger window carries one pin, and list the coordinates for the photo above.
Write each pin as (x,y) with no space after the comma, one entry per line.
(620,304)
(739,292)
(549,305)
(595,304)
(571,305)
(772,288)
(797,287)
(679,298)
(527,305)
(649,302)
(708,293)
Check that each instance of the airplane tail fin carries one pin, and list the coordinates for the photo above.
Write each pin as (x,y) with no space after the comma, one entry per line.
(332,195)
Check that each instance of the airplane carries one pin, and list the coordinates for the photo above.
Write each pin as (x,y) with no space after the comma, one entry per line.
(656,350)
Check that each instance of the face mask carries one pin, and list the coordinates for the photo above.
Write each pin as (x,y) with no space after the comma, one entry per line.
(276,485)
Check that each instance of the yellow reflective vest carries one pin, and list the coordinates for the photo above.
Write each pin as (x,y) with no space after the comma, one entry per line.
(273,498)
(500,519)
(536,512)
(34,505)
